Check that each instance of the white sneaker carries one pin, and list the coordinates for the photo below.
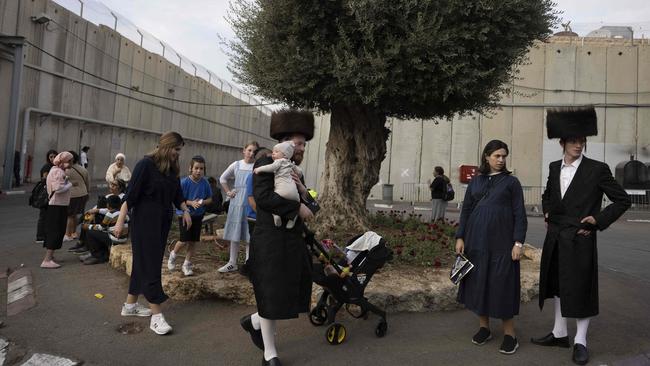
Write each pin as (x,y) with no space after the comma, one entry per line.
(68,238)
(170,261)
(187,269)
(159,324)
(137,310)
(229,267)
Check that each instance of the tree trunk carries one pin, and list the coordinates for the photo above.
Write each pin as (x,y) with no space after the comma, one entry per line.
(355,150)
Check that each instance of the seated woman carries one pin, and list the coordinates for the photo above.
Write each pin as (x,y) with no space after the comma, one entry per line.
(118,170)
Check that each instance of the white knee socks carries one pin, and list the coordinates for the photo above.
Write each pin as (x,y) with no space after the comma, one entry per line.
(234,252)
(581,331)
(247,251)
(255,320)
(559,329)
(268,336)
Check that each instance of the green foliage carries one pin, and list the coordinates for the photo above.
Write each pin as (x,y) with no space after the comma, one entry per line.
(406,59)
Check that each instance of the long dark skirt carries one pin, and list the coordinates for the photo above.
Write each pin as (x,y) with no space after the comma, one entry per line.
(149,230)
(56,219)
(40,226)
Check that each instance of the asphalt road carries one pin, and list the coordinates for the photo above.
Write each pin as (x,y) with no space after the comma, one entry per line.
(69,321)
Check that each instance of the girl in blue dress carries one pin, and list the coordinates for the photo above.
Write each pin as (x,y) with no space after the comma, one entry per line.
(236,228)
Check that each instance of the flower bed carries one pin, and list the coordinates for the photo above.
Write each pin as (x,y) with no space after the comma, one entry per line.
(413,242)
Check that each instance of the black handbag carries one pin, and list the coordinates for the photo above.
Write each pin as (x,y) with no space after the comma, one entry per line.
(39,198)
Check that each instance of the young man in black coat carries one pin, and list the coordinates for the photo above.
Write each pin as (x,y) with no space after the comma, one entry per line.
(572,207)
(279,262)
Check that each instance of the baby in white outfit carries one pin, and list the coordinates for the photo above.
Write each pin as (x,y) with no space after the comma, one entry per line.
(282,167)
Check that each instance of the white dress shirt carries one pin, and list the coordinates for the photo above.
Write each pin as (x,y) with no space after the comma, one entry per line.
(567,172)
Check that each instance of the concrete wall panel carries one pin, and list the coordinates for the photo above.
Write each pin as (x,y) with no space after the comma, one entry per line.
(436,148)
(560,65)
(620,127)
(137,82)
(9,16)
(169,75)
(466,146)
(124,74)
(643,114)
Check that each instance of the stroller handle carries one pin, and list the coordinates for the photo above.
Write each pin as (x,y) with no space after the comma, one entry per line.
(317,249)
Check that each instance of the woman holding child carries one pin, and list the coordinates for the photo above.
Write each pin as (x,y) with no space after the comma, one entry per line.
(58,189)
(154,186)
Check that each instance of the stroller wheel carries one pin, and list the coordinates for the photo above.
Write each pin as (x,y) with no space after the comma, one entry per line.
(335,334)
(318,316)
(381,329)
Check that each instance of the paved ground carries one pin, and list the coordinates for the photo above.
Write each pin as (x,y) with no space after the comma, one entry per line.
(69,321)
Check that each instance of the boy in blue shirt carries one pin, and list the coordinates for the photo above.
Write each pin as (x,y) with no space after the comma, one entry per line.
(197,193)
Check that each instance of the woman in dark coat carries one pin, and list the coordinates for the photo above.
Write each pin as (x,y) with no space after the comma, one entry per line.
(491,234)
(438,189)
(153,188)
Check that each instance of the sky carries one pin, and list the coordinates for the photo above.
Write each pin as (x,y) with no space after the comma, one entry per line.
(193,27)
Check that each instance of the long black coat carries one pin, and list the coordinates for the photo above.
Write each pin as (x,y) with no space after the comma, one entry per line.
(569,267)
(279,260)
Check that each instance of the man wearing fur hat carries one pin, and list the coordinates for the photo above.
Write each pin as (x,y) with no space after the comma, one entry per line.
(280,265)
(572,208)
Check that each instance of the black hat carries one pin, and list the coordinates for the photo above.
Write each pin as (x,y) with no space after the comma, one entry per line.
(291,121)
(571,122)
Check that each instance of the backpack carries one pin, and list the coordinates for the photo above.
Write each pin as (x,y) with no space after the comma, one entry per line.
(39,197)
(449,193)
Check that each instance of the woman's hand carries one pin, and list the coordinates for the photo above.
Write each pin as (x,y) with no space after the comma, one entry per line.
(460,246)
(232,193)
(187,220)
(517,251)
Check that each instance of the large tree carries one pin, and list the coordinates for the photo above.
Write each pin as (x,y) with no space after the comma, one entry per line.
(366,60)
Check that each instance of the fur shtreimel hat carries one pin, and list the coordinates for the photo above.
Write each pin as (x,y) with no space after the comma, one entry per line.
(291,121)
(571,122)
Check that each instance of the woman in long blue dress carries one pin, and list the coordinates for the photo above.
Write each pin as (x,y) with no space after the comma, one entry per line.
(236,228)
(491,234)
(152,192)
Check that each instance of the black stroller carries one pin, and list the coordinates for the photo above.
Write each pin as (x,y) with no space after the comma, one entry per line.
(346,287)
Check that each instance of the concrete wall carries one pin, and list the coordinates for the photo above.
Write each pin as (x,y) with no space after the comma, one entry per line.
(615,71)
(107,77)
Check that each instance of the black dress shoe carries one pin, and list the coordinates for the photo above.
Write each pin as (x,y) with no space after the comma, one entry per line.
(256,334)
(580,354)
(272,362)
(550,341)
